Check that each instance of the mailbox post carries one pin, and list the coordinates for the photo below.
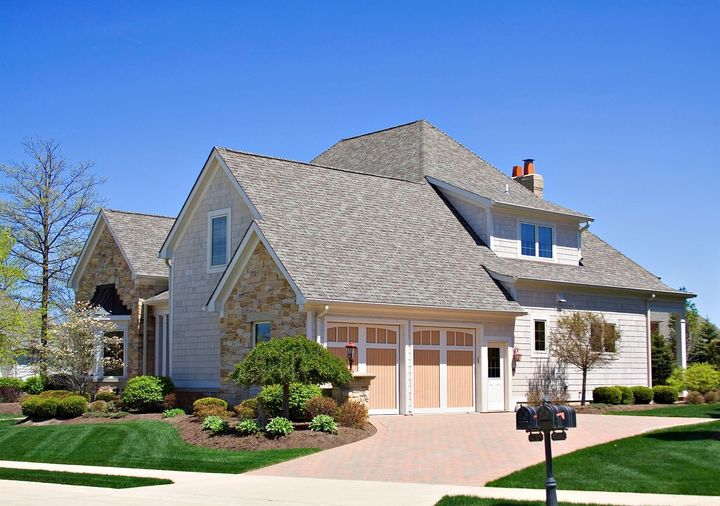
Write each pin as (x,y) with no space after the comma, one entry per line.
(546,423)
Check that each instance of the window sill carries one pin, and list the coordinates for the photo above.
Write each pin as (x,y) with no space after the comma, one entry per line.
(217,269)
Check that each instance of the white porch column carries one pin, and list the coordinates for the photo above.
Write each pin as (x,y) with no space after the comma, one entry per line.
(682,344)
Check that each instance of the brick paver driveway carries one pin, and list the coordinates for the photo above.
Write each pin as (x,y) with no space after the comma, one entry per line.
(463,449)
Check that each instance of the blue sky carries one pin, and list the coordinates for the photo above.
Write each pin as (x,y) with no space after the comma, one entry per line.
(617,101)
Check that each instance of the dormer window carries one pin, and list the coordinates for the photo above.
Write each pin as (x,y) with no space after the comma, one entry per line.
(536,240)
(218,239)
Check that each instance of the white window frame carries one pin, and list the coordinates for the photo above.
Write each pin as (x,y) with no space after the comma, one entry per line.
(218,213)
(162,342)
(537,256)
(121,325)
(254,329)
(535,351)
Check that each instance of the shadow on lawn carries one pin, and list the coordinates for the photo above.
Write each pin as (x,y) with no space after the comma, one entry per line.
(696,435)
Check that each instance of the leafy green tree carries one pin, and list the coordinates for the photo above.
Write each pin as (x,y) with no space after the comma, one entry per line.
(662,358)
(16,321)
(706,345)
(585,340)
(291,359)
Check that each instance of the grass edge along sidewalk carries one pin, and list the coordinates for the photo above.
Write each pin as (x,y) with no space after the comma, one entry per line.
(81,479)
(467,500)
(680,460)
(132,444)
(680,410)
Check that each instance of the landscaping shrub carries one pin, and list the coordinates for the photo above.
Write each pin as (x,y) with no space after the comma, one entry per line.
(713,396)
(664,394)
(34,385)
(71,406)
(209,406)
(247,427)
(215,424)
(702,378)
(167,385)
(353,414)
(321,406)
(243,412)
(279,427)
(143,393)
(643,395)
(36,406)
(172,413)
(607,395)
(251,403)
(98,407)
(170,401)
(106,393)
(627,395)
(694,397)
(11,389)
(323,423)
(271,398)
(55,394)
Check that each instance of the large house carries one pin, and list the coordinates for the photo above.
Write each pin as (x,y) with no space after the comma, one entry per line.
(447,273)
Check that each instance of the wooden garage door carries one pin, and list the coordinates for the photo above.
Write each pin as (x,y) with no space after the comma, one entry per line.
(381,359)
(460,372)
(338,336)
(426,368)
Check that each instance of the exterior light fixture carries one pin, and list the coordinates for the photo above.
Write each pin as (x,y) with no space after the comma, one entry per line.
(351,350)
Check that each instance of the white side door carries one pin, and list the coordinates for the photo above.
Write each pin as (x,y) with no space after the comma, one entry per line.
(494,376)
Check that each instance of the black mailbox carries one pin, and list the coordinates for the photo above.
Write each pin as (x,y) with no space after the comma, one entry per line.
(556,417)
(526,419)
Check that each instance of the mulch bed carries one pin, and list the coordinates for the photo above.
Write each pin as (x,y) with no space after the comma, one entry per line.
(10,407)
(192,432)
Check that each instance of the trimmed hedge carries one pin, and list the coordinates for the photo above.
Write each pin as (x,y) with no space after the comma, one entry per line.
(627,395)
(34,385)
(144,394)
(607,395)
(210,406)
(271,398)
(663,394)
(643,395)
(71,406)
(36,406)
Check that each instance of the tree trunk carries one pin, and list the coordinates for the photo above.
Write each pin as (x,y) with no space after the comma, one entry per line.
(584,383)
(45,294)
(286,401)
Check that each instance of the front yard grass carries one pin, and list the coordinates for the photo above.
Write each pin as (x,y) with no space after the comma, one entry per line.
(468,500)
(86,480)
(680,460)
(140,444)
(681,410)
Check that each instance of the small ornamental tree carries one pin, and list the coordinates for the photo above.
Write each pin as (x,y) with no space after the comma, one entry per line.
(585,340)
(662,358)
(291,359)
(76,348)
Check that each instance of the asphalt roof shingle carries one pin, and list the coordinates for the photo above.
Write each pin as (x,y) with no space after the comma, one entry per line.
(140,237)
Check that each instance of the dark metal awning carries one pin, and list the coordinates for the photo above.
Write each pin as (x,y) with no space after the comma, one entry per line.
(106,297)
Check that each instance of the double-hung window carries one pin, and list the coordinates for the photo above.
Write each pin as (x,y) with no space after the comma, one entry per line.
(536,240)
(218,239)
(603,338)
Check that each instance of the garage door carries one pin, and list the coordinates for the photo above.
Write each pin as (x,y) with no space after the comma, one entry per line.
(443,369)
(377,354)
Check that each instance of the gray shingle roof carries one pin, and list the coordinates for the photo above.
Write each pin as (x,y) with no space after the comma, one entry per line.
(602,265)
(416,150)
(161,297)
(354,237)
(140,237)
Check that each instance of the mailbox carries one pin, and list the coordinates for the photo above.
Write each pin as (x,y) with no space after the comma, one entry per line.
(526,419)
(556,417)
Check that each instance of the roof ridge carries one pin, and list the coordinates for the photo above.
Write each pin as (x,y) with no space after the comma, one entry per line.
(310,164)
(421,120)
(137,213)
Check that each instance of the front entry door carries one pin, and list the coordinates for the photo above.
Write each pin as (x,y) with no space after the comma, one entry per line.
(495,383)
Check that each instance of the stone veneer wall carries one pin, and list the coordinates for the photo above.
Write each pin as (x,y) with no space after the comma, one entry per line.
(107,265)
(262,288)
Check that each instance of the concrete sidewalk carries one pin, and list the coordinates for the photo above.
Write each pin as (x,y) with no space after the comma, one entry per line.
(230,489)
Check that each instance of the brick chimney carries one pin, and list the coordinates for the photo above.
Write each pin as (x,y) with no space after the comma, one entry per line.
(526,176)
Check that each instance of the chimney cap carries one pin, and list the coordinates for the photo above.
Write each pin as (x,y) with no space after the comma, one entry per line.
(529,160)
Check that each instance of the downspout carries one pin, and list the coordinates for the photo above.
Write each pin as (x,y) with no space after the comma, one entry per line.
(171,323)
(144,317)
(648,330)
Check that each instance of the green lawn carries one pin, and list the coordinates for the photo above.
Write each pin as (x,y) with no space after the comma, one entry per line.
(87,480)
(681,460)
(683,410)
(142,444)
(467,500)
(10,415)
